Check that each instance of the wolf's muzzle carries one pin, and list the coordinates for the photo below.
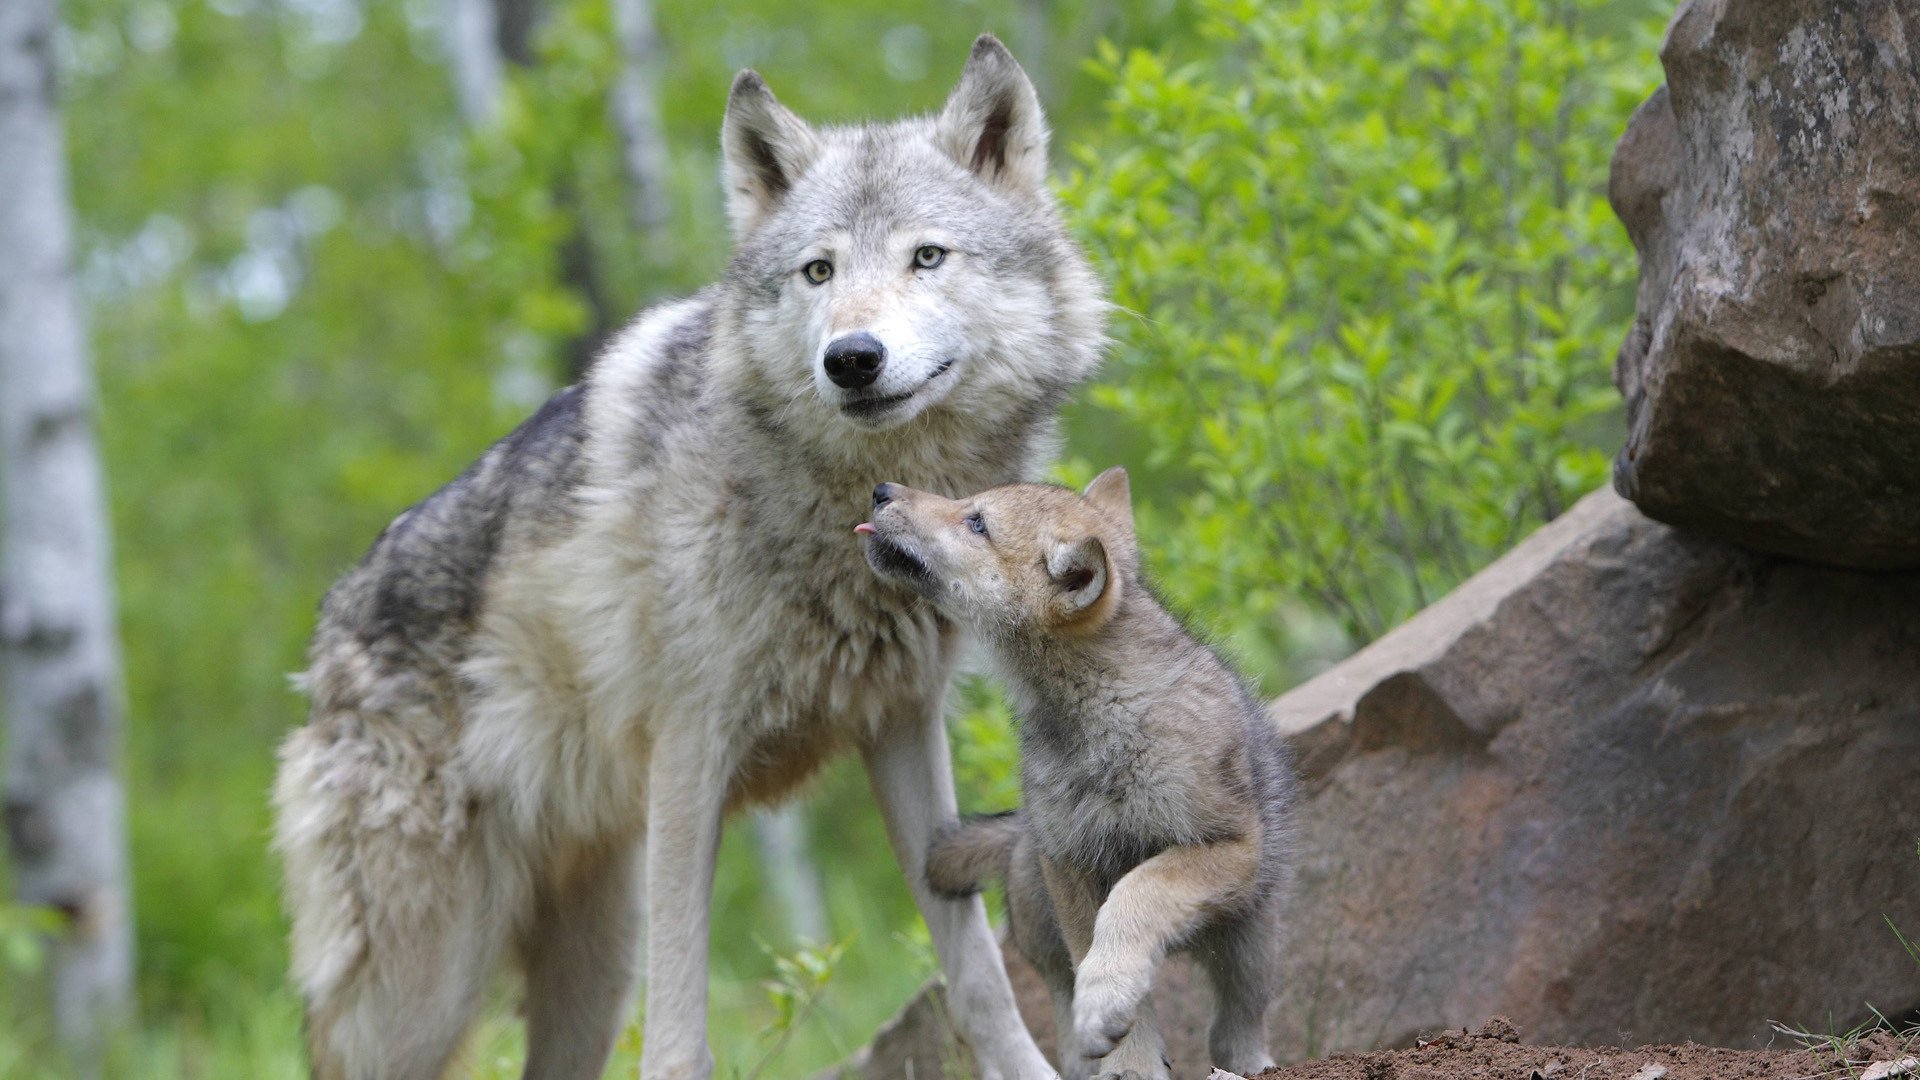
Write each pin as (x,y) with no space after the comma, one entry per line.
(854,360)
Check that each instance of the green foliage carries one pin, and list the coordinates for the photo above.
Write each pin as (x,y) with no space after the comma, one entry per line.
(986,748)
(23,934)
(1371,283)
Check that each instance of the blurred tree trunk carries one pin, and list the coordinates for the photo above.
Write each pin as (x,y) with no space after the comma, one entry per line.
(787,868)
(1036,42)
(64,802)
(472,29)
(636,112)
(482,36)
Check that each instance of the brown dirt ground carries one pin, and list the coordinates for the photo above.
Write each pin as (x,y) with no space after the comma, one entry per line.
(1495,1052)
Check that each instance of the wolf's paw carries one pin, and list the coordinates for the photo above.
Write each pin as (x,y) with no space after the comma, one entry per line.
(1104,1008)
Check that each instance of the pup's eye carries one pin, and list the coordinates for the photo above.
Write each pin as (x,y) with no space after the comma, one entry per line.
(977,523)
(817,271)
(929,256)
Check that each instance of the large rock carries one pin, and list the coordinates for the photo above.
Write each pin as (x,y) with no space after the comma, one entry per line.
(1625,784)
(1772,189)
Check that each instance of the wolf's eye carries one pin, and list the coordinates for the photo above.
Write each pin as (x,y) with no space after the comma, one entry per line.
(817,271)
(929,256)
(977,523)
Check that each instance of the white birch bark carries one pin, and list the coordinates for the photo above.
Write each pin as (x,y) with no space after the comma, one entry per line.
(472,41)
(786,865)
(59,661)
(636,115)
(1036,42)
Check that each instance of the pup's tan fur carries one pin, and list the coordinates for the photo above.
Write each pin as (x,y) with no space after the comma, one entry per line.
(1156,791)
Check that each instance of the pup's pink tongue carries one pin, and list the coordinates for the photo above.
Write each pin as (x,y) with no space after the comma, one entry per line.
(864,528)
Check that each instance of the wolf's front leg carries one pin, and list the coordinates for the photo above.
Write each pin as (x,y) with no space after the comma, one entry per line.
(912,780)
(1152,906)
(686,796)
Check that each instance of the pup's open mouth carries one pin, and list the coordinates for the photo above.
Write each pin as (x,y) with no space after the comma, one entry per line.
(892,560)
(870,407)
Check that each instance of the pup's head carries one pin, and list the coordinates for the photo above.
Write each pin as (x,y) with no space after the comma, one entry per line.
(1023,558)
(882,270)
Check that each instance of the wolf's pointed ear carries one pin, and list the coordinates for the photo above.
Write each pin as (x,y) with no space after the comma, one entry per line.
(1084,575)
(992,123)
(1111,495)
(765,147)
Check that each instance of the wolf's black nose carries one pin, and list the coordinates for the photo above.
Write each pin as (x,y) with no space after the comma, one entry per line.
(854,361)
(882,495)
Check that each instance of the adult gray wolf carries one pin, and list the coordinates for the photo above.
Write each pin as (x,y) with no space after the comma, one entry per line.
(548,682)
(1156,793)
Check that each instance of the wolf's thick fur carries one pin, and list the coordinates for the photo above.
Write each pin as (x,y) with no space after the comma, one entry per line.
(545,684)
(1157,794)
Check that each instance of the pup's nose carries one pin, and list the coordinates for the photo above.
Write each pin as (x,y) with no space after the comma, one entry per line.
(882,495)
(854,360)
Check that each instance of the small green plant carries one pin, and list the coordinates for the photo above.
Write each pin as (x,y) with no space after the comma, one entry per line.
(796,991)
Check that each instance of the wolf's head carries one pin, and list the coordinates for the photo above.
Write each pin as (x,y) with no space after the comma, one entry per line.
(891,272)
(1023,558)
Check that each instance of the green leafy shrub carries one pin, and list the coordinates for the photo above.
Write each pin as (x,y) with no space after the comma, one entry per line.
(1371,287)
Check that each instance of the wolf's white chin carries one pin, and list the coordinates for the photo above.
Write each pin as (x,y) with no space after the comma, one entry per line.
(889,413)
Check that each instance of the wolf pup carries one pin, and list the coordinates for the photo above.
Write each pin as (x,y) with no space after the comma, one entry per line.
(548,683)
(1157,794)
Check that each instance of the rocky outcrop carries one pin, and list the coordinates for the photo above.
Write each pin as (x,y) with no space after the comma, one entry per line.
(1772,189)
(1624,784)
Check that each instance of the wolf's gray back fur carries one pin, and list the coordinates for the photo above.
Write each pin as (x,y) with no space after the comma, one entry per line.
(544,683)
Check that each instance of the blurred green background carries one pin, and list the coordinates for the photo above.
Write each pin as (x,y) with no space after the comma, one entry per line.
(1369,294)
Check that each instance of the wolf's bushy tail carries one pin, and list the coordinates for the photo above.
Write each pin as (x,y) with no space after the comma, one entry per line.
(967,855)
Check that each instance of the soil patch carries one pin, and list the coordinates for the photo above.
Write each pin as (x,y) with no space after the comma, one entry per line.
(1495,1052)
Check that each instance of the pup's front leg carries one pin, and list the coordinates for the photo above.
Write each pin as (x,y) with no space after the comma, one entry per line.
(686,796)
(912,780)
(1151,907)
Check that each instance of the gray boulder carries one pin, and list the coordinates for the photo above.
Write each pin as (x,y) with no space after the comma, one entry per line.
(1624,785)
(1772,189)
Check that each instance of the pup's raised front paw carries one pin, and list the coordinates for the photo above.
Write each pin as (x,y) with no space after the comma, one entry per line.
(1103,1012)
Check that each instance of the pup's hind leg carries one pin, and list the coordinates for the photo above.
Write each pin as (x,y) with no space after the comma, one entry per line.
(581,964)
(1035,930)
(1239,963)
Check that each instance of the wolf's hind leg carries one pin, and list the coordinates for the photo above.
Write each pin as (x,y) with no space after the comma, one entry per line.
(405,1008)
(397,920)
(581,958)
(1239,964)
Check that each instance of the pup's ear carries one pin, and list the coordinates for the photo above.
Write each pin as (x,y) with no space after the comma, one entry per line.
(1110,494)
(1083,575)
(992,123)
(765,147)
